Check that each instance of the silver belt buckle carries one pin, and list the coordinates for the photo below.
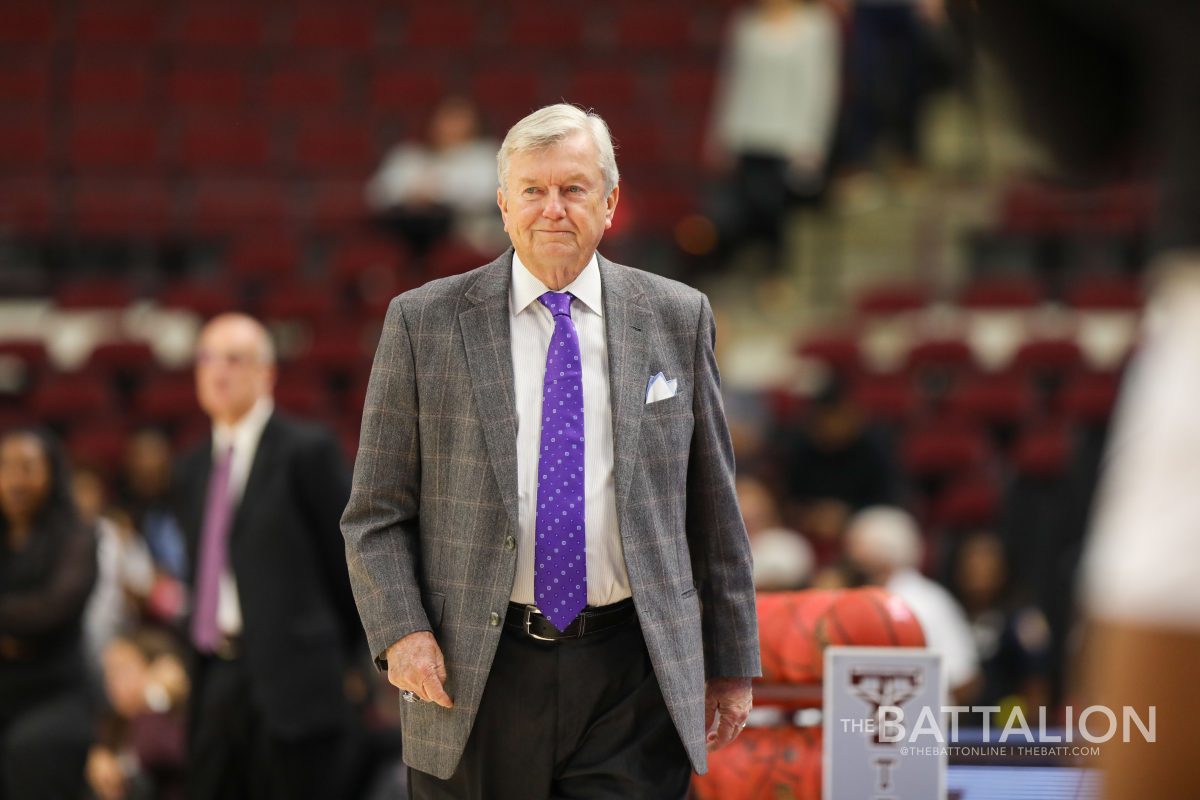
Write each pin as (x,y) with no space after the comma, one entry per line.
(531,609)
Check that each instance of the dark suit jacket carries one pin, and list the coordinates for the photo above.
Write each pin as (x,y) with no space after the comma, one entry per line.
(435,493)
(300,625)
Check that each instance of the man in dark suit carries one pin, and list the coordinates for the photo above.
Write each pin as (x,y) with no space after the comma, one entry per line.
(273,619)
(543,535)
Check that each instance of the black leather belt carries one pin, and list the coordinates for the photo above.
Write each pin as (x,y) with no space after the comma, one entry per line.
(530,621)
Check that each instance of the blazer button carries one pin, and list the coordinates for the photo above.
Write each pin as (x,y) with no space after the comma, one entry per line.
(509,543)
(494,619)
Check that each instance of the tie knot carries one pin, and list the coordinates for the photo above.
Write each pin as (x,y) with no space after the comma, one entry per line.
(559,303)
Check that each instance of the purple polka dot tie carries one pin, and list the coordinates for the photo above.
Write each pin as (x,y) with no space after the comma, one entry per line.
(560,561)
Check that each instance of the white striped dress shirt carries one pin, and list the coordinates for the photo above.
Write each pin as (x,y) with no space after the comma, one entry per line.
(532,325)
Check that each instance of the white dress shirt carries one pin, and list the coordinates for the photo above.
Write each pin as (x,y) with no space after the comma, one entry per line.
(532,325)
(243,436)
(943,621)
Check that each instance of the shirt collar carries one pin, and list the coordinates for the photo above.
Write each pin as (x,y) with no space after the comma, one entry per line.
(245,433)
(526,288)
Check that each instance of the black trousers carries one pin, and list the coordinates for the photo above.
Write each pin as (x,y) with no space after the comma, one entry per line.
(577,720)
(43,748)
(233,756)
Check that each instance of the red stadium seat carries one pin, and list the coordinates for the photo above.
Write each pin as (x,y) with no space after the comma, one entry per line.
(339,346)
(304,89)
(942,449)
(946,354)
(1048,356)
(205,298)
(140,209)
(1089,397)
(967,502)
(99,294)
(346,149)
(99,444)
(208,89)
(545,26)
(116,146)
(654,27)
(232,144)
(122,356)
(29,204)
(894,298)
(26,24)
(111,85)
(326,28)
(839,350)
(509,92)
(222,27)
(272,254)
(1042,451)
(1004,399)
(642,145)
(1001,294)
(24,85)
(604,88)
(169,398)
(441,27)
(66,397)
(300,393)
(351,259)
(887,398)
(337,205)
(25,144)
(691,87)
(1106,294)
(292,301)
(105,26)
(224,206)
(405,88)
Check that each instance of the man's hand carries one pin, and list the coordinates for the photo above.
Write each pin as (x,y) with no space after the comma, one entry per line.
(415,664)
(729,700)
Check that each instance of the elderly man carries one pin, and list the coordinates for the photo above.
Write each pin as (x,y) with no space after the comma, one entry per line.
(543,535)
(273,620)
(885,543)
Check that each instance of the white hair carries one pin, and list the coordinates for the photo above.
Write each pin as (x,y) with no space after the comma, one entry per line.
(552,124)
(889,534)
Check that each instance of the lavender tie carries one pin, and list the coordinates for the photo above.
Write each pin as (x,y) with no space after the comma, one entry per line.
(214,554)
(560,566)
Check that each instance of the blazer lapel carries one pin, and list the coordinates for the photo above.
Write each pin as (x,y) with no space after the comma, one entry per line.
(487,338)
(627,320)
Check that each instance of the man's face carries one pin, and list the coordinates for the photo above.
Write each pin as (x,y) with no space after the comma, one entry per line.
(232,370)
(554,206)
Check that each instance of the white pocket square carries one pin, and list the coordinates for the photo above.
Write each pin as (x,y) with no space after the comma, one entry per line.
(660,388)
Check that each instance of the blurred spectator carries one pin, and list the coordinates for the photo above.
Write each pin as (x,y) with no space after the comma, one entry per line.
(47,569)
(885,545)
(773,120)
(1012,637)
(892,57)
(783,559)
(273,622)
(143,491)
(833,463)
(141,752)
(125,573)
(426,192)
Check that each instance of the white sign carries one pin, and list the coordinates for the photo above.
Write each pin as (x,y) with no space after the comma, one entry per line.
(884,728)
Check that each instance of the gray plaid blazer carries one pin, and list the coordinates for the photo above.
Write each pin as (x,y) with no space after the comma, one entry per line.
(435,494)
